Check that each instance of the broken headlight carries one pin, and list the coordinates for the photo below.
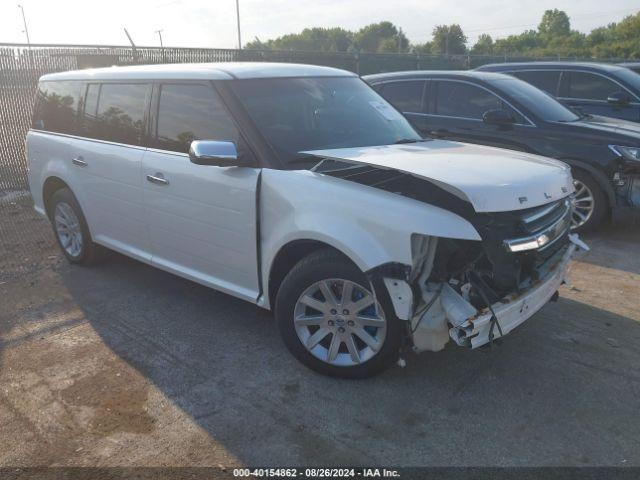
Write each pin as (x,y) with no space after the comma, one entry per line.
(628,153)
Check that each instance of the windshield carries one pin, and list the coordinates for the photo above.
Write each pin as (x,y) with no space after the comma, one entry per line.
(298,114)
(540,103)
(631,77)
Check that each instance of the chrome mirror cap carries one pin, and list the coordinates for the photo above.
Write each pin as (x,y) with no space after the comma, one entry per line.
(213,152)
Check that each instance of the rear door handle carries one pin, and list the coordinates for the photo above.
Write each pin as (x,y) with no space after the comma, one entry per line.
(79,161)
(158,179)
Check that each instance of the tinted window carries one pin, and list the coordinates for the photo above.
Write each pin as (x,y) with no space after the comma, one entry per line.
(120,113)
(191,112)
(544,80)
(457,99)
(591,87)
(529,98)
(56,107)
(299,114)
(405,96)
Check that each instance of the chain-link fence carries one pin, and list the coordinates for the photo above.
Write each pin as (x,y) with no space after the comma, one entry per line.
(21,66)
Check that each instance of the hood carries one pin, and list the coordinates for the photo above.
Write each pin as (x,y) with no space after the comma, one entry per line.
(491,179)
(612,125)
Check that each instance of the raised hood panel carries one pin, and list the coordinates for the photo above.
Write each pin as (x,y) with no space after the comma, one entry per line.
(491,179)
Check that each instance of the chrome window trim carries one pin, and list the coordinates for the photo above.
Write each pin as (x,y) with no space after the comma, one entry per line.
(603,102)
(531,124)
(89,139)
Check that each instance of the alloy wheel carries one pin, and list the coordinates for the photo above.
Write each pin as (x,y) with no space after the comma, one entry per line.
(340,322)
(68,229)
(583,205)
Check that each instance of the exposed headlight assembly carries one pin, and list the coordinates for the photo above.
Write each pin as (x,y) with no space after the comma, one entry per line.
(628,153)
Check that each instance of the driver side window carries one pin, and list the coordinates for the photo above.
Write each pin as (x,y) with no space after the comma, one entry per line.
(460,99)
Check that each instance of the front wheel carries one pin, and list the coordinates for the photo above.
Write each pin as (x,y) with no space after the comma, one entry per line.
(589,203)
(331,320)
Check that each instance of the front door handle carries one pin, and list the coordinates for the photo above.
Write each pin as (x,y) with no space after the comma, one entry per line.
(79,161)
(158,179)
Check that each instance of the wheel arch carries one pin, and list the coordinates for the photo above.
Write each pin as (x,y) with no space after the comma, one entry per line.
(288,256)
(600,178)
(51,185)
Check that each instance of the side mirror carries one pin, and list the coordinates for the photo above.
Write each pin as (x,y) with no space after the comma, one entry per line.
(619,99)
(214,152)
(497,117)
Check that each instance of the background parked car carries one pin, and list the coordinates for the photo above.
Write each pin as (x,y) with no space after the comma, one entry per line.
(597,88)
(635,66)
(502,111)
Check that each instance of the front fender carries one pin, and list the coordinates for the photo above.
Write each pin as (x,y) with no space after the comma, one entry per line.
(370,226)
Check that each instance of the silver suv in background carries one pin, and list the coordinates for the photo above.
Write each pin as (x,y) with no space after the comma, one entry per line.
(300,189)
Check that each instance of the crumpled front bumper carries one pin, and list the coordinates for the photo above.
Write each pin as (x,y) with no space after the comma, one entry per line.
(515,309)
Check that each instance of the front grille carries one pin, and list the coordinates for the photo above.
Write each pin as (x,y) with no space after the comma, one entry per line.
(537,219)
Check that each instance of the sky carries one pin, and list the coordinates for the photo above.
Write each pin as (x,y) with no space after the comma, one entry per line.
(212,23)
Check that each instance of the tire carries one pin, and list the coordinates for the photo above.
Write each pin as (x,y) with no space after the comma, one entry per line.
(71,230)
(587,187)
(380,328)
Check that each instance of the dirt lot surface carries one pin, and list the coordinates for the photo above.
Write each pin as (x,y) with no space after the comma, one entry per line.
(123,365)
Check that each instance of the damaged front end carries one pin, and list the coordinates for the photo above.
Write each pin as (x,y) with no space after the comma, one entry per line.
(474,292)
(466,290)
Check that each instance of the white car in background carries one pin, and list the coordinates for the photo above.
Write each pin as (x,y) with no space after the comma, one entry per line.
(298,188)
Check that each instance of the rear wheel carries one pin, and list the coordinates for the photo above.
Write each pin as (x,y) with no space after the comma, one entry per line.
(330,319)
(589,203)
(70,228)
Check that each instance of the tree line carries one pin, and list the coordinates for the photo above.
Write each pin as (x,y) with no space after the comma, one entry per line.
(553,37)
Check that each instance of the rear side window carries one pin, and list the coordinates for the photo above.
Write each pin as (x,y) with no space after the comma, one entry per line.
(588,86)
(546,81)
(188,112)
(405,96)
(56,107)
(118,114)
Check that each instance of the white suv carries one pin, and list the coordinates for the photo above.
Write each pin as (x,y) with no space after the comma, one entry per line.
(300,189)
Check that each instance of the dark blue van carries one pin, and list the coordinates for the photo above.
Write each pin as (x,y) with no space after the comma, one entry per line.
(596,88)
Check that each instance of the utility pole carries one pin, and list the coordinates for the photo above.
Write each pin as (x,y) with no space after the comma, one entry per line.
(446,43)
(238,17)
(159,32)
(134,51)
(26,32)
(400,40)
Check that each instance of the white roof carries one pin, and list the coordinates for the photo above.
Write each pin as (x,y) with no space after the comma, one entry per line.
(208,71)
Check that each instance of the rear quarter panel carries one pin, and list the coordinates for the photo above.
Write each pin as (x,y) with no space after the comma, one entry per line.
(47,156)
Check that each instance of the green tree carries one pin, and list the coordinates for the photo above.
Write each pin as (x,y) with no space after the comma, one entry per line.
(380,37)
(483,46)
(449,39)
(554,23)
(527,41)
(310,39)
(426,47)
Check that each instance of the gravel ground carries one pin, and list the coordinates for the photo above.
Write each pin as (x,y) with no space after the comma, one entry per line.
(125,365)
